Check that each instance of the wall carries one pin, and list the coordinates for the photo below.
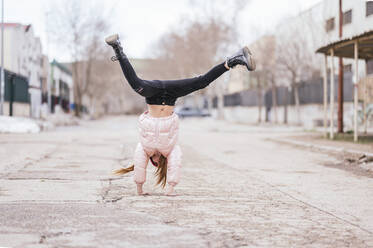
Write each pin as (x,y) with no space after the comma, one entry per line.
(311,116)
(23,55)
(19,109)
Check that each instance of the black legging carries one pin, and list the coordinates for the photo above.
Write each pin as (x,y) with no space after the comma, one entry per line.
(160,91)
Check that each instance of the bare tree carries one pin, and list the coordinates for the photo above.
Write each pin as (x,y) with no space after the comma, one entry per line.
(264,75)
(257,84)
(78,28)
(295,58)
(295,62)
(274,97)
(195,50)
(200,42)
(109,93)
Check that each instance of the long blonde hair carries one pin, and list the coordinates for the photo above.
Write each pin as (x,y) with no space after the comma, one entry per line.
(161,171)
(122,171)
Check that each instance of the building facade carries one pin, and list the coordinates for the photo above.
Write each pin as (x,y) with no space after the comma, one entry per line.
(61,88)
(305,33)
(23,56)
(314,28)
(319,26)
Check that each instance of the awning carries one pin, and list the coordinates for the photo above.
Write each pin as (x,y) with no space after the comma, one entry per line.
(345,48)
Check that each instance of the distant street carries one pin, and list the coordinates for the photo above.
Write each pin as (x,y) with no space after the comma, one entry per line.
(239,188)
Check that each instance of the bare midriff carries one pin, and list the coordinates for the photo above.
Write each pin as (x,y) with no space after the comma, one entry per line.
(160,110)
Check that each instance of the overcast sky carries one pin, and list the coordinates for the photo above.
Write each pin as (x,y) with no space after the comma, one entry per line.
(143,21)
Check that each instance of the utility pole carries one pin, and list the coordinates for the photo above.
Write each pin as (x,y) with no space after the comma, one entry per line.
(49,77)
(340,77)
(2,61)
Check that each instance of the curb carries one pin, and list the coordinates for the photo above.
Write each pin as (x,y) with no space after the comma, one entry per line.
(325,148)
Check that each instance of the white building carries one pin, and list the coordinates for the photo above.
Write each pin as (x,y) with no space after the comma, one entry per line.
(62,88)
(23,55)
(319,26)
(357,18)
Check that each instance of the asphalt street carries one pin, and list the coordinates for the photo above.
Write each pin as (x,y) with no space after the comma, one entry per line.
(238,188)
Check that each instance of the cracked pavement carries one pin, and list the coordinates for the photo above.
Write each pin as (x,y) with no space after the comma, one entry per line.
(238,189)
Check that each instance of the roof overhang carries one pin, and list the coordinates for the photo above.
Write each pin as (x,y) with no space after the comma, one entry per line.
(345,48)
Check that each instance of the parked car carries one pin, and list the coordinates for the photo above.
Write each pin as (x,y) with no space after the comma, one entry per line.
(191,112)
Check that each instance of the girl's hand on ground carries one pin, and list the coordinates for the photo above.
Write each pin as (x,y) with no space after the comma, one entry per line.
(170,191)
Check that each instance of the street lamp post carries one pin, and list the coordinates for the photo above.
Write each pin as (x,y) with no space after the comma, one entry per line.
(2,60)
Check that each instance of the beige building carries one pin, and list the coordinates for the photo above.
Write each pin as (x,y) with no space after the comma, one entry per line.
(263,51)
(238,80)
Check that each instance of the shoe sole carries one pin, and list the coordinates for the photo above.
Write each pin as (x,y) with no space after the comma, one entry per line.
(112,39)
(249,59)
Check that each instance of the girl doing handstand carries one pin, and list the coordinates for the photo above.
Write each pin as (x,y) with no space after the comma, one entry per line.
(159,124)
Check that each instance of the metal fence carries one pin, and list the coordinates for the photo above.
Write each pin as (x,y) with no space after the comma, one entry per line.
(16,88)
(310,92)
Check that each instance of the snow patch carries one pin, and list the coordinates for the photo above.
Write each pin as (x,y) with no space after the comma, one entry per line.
(18,125)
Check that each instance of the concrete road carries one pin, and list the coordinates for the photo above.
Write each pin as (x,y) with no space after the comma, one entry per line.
(238,189)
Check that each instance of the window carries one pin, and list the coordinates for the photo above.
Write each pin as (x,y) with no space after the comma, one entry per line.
(370,66)
(369,8)
(329,24)
(347,68)
(347,17)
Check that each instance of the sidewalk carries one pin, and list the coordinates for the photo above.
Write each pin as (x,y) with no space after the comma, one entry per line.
(355,157)
(316,140)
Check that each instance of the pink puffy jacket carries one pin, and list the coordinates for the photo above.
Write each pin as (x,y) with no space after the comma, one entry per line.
(158,136)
